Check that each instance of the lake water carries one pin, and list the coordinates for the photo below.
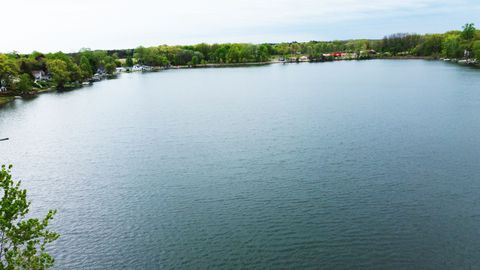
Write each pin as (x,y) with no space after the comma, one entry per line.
(345,165)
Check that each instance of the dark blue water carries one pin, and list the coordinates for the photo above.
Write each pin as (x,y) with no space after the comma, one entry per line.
(346,165)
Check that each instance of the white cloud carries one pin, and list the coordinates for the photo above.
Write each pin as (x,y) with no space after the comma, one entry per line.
(70,24)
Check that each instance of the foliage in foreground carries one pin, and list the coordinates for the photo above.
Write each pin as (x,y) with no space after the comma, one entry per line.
(22,240)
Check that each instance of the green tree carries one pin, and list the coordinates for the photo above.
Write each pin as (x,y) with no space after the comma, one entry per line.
(476,49)
(468,32)
(197,58)
(431,45)
(74,72)
(110,68)
(27,64)
(400,43)
(220,53)
(109,64)
(205,49)
(59,71)
(234,54)
(85,67)
(451,47)
(195,61)
(129,62)
(184,57)
(22,240)
(263,53)
(25,84)
(8,70)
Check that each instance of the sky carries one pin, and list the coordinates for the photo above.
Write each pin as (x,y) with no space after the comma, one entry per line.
(69,25)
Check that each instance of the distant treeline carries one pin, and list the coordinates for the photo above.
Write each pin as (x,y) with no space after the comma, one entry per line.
(453,44)
(21,73)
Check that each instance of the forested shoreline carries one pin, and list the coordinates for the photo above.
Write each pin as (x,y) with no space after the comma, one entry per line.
(28,74)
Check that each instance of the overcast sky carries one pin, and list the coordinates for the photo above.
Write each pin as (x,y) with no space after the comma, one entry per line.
(68,25)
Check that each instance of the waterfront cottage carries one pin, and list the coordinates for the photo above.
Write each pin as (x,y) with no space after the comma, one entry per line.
(40,75)
(100,71)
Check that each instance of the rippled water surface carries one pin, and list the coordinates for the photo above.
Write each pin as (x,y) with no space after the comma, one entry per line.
(346,165)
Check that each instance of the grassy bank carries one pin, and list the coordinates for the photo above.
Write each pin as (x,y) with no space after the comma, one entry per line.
(5,100)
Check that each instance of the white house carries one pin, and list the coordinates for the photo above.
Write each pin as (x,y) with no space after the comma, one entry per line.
(303,59)
(100,71)
(39,75)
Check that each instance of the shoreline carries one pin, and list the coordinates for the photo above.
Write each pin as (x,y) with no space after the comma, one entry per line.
(5,99)
(220,65)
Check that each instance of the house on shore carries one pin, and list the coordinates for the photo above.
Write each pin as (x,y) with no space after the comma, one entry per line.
(101,71)
(40,75)
(339,54)
(303,59)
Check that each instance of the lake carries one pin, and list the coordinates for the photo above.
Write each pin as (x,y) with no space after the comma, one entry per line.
(343,165)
